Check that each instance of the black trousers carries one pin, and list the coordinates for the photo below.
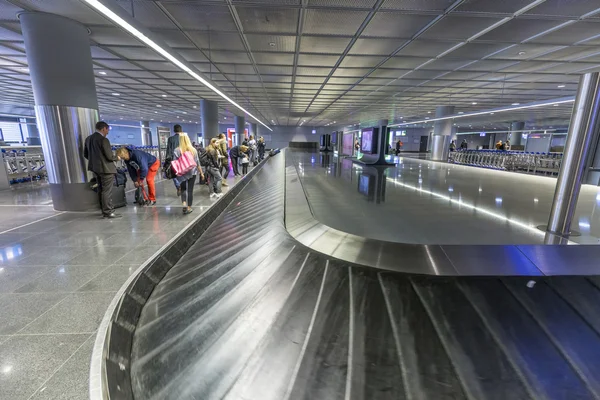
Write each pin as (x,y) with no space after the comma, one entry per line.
(234,163)
(187,190)
(105,188)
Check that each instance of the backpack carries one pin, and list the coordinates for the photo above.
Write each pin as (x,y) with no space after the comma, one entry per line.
(168,171)
(203,157)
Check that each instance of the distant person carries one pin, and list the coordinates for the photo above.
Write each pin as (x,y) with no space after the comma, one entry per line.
(499,145)
(235,153)
(245,162)
(141,166)
(245,142)
(252,149)
(399,146)
(507,145)
(172,144)
(101,160)
(224,165)
(357,145)
(464,145)
(187,180)
(261,148)
(213,168)
(453,146)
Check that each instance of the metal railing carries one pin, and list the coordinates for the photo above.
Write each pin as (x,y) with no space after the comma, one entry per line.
(519,161)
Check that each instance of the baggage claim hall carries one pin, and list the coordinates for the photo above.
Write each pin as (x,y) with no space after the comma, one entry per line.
(299,199)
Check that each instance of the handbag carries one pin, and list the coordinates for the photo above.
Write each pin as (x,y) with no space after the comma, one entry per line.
(183,164)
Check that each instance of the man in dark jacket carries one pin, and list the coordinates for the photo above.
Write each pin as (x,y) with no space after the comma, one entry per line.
(141,166)
(172,144)
(101,160)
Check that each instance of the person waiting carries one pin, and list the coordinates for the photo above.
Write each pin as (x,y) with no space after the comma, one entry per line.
(187,180)
(399,146)
(235,153)
(213,168)
(224,165)
(261,148)
(453,146)
(101,160)
(253,150)
(464,145)
(172,144)
(141,166)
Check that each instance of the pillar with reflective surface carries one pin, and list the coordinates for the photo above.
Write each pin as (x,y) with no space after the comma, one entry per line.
(209,116)
(516,133)
(584,125)
(240,126)
(442,134)
(62,76)
(254,130)
(145,133)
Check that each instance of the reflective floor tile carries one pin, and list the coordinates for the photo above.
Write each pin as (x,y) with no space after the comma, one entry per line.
(64,278)
(18,310)
(12,278)
(111,279)
(26,362)
(77,313)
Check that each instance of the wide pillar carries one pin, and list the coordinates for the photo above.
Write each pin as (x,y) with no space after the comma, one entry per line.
(442,134)
(516,133)
(33,135)
(145,133)
(209,115)
(66,106)
(254,130)
(240,126)
(585,123)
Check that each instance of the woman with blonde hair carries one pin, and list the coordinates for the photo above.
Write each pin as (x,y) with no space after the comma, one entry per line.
(187,180)
(213,168)
(236,153)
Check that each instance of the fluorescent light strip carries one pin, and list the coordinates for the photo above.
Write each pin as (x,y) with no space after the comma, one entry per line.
(472,207)
(129,28)
(485,112)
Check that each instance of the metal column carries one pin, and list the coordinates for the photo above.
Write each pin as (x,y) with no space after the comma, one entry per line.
(66,106)
(209,115)
(516,133)
(442,134)
(584,123)
(240,127)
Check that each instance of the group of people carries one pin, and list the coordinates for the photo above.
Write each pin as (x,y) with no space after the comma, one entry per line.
(463,146)
(211,164)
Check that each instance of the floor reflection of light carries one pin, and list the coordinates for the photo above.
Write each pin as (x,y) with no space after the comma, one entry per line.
(451,189)
(536,200)
(480,190)
(493,214)
(6,369)
(584,225)
(598,197)
(498,200)
(62,270)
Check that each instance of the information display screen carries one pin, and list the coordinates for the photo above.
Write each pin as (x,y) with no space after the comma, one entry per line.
(348,144)
(367,144)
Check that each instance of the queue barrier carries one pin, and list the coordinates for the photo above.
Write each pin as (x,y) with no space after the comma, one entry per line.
(518,161)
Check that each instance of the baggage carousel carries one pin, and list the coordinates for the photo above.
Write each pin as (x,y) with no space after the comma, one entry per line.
(243,306)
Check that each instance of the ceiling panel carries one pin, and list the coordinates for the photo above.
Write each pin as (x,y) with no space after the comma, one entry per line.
(267,19)
(319,21)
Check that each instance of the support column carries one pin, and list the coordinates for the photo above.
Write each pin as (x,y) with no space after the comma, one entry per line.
(516,137)
(145,132)
(66,106)
(442,134)
(585,122)
(254,130)
(33,138)
(240,126)
(209,115)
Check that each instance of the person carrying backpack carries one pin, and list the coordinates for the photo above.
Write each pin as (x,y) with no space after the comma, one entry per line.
(172,144)
(261,148)
(141,166)
(224,169)
(186,180)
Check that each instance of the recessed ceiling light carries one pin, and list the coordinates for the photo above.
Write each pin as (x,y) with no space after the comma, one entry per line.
(272,44)
(24,69)
(474,103)
(561,86)
(428,112)
(461,112)
(522,53)
(158,105)
(556,105)
(185,112)
(122,105)
(195,106)
(164,95)
(155,112)
(426,117)
(116,94)
(491,113)
(516,104)
(102,73)
(224,117)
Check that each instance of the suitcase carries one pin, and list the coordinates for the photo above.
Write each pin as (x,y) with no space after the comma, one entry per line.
(273,152)
(118,196)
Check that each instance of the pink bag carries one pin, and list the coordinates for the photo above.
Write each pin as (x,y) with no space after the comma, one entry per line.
(183,164)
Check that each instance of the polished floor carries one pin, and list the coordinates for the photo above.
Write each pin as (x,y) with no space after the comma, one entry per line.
(59,272)
(425,202)
(247,313)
